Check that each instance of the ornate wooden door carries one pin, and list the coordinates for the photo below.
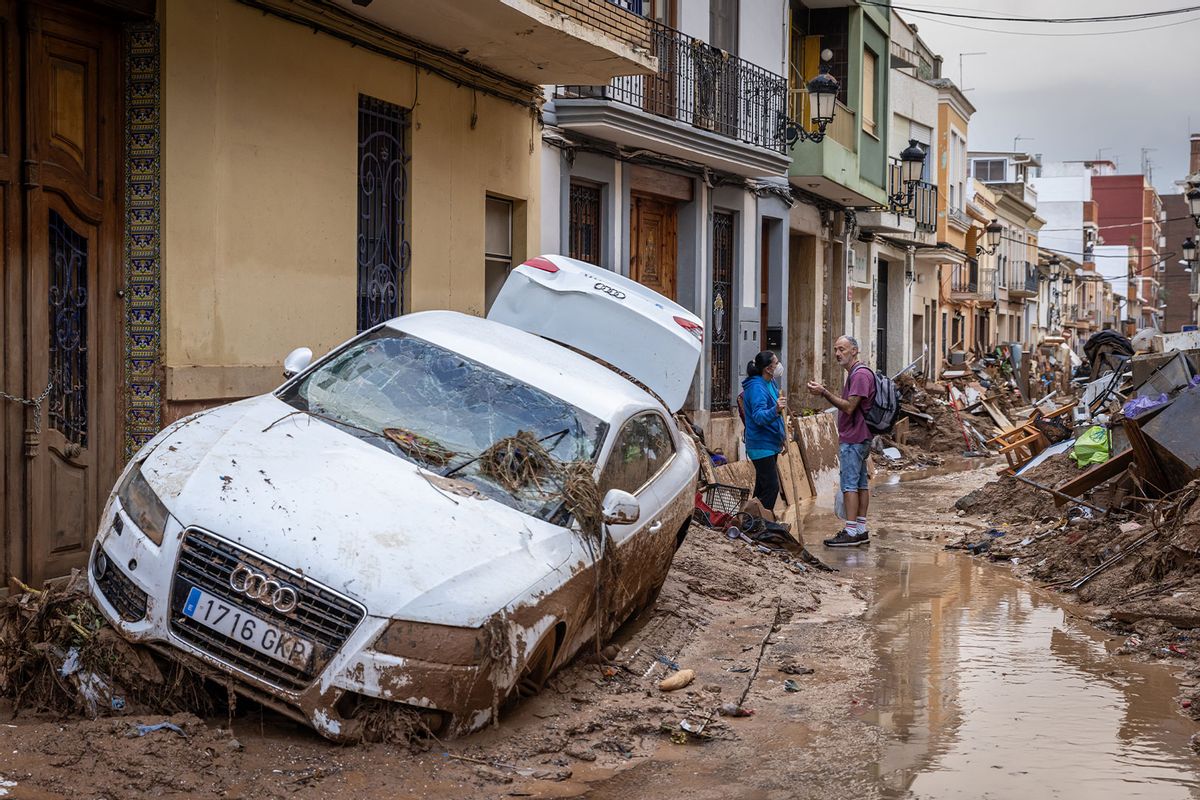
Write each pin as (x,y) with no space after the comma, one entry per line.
(654,251)
(72,288)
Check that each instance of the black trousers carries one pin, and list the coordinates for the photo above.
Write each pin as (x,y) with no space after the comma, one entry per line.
(766,481)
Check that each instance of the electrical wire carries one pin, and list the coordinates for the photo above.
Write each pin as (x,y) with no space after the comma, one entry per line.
(1062,35)
(1047,20)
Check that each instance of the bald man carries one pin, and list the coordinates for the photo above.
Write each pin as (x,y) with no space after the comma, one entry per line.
(854,439)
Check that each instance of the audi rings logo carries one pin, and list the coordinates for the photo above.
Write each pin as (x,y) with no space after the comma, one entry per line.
(617,293)
(264,590)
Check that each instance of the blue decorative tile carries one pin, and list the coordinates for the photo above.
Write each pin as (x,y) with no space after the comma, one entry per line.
(143,256)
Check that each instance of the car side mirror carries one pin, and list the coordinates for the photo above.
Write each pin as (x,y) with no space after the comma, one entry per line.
(297,361)
(621,508)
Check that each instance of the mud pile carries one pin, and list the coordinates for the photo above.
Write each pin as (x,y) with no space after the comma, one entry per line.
(1007,500)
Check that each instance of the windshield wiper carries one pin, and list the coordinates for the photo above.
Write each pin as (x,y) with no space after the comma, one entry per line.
(465,464)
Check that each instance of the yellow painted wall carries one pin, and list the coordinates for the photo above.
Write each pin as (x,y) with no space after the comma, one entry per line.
(947,117)
(260,165)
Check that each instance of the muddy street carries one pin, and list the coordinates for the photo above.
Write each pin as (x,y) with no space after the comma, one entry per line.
(913,671)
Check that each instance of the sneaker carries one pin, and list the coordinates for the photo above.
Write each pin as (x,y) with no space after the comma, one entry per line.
(847,539)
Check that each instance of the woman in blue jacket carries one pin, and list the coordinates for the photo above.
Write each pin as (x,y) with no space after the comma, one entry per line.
(766,432)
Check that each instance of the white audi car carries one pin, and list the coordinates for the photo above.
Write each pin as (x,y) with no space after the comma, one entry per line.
(336,543)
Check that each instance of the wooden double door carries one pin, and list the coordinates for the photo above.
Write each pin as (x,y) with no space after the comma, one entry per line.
(61,275)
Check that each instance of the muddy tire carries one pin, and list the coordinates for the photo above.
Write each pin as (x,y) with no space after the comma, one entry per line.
(536,671)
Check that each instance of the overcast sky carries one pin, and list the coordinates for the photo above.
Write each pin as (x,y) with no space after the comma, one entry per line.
(1075,96)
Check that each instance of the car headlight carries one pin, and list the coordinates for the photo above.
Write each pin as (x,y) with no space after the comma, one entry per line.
(143,506)
(442,644)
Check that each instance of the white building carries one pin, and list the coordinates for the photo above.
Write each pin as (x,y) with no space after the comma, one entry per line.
(678,180)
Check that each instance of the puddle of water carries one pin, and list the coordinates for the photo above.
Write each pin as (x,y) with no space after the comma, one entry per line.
(989,689)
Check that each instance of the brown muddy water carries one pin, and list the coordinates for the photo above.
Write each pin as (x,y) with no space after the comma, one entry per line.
(979,686)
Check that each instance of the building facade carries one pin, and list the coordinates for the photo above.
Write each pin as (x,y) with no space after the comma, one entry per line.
(677,180)
(1129,212)
(208,185)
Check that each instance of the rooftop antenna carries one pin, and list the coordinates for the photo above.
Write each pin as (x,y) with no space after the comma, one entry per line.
(1147,164)
(960,68)
(1021,139)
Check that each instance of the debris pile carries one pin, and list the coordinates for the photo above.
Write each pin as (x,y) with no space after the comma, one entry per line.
(59,655)
(1111,514)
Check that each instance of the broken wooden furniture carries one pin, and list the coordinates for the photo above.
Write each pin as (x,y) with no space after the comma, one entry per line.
(1021,443)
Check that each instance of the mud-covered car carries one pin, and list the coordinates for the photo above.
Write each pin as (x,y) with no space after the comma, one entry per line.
(338,542)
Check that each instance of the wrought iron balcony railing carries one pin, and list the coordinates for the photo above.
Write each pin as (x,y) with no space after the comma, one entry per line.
(924,204)
(971,281)
(1031,278)
(702,86)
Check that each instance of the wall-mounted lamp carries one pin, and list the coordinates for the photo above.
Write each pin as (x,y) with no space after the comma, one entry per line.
(912,164)
(822,92)
(994,232)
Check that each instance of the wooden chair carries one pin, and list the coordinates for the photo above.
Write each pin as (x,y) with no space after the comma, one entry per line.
(1021,443)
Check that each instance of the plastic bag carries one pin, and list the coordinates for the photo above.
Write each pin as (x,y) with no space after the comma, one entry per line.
(1140,405)
(839,504)
(1092,447)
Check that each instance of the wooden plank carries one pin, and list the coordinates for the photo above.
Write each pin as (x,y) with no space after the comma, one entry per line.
(1147,462)
(995,413)
(804,487)
(659,183)
(818,439)
(1094,476)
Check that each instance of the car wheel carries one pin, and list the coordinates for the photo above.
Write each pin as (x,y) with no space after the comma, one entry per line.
(537,668)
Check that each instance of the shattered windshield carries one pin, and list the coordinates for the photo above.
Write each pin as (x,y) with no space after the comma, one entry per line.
(441,410)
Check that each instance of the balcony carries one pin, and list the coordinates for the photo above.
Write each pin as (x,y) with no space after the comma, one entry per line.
(534,41)
(970,281)
(702,104)
(1024,281)
(917,222)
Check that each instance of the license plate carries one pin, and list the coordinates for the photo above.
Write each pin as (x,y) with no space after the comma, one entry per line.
(247,629)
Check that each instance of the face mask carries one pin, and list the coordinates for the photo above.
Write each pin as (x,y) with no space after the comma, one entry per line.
(777,377)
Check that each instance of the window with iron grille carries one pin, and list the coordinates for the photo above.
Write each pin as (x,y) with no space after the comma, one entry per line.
(722,311)
(584,232)
(383,250)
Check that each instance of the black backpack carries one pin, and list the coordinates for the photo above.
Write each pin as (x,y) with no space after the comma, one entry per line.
(885,405)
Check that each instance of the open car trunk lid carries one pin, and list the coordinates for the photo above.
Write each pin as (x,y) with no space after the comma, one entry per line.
(606,315)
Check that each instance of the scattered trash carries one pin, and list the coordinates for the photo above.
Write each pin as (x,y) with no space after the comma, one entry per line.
(674,665)
(796,669)
(677,681)
(734,710)
(791,685)
(142,730)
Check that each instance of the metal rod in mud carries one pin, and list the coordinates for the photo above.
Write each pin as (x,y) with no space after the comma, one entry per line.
(1063,495)
(762,649)
(1110,562)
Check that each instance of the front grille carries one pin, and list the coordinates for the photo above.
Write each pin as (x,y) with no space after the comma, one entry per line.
(120,592)
(323,617)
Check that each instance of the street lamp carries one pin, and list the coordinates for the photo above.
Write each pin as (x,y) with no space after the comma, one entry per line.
(912,164)
(994,231)
(1189,250)
(822,91)
(1193,201)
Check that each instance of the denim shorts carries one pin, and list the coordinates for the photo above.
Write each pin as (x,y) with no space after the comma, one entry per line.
(852,463)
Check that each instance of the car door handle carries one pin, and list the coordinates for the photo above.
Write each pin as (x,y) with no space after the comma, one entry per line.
(655,526)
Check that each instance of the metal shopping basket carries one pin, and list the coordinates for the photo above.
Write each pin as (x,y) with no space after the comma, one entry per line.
(718,503)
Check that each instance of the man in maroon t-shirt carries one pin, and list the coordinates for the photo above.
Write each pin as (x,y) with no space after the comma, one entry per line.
(854,439)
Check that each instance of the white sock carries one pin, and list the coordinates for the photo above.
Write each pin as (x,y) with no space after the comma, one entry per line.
(861,523)
(853,527)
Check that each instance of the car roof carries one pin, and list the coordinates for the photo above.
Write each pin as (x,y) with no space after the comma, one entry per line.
(529,358)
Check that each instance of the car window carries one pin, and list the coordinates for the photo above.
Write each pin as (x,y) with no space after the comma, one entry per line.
(434,406)
(642,448)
